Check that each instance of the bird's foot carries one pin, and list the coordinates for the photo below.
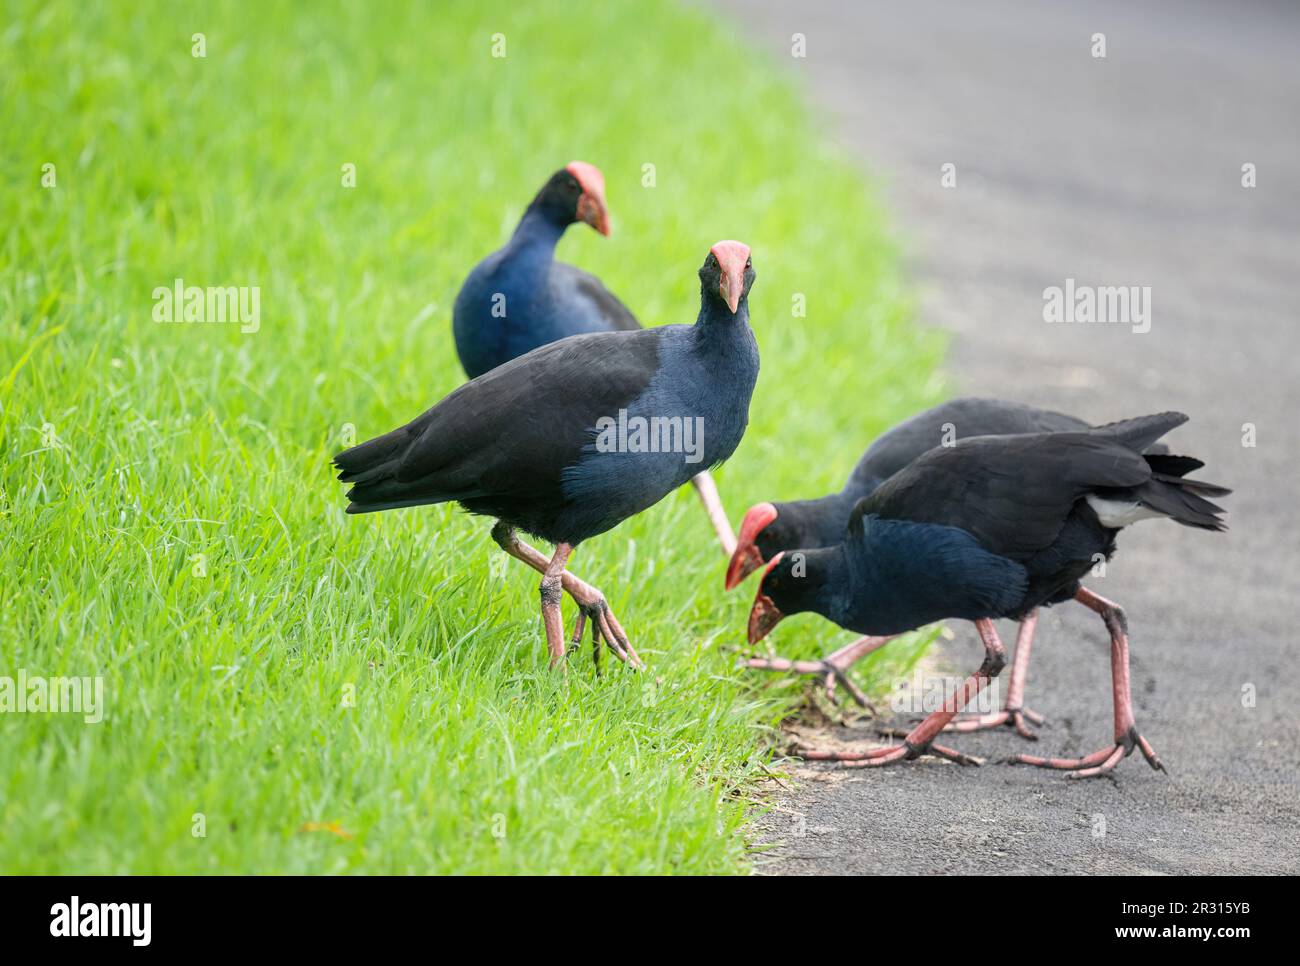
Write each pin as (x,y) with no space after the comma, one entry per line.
(593,607)
(1099,763)
(832,670)
(920,740)
(876,757)
(832,675)
(1015,718)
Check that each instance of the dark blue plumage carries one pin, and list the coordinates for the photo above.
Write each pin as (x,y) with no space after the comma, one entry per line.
(527,441)
(991,527)
(705,378)
(520,298)
(772,527)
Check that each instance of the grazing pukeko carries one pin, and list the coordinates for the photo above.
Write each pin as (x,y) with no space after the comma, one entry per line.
(520,298)
(769,528)
(993,527)
(533,442)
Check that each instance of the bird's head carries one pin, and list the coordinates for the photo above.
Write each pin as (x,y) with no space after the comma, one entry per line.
(576,193)
(754,544)
(796,582)
(727,274)
(777,585)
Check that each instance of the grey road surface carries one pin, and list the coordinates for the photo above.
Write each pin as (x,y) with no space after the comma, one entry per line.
(1117,171)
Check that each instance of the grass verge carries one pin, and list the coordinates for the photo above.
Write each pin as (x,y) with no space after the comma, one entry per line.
(291,690)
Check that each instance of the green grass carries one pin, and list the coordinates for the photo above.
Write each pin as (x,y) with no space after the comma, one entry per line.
(129,447)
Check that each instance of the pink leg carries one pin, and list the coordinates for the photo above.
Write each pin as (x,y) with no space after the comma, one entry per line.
(833,670)
(920,739)
(708,491)
(551,594)
(1014,714)
(1126,734)
(591,602)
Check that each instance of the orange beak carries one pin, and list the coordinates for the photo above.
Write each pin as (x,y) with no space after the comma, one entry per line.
(732,257)
(764,615)
(592,209)
(747,558)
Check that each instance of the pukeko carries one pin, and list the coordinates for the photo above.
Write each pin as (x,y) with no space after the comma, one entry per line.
(520,298)
(994,526)
(534,444)
(769,528)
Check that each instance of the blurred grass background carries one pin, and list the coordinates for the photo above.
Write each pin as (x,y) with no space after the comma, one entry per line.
(130,447)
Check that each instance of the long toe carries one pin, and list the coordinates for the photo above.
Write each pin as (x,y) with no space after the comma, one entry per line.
(604,625)
(831,674)
(1099,763)
(1017,719)
(878,757)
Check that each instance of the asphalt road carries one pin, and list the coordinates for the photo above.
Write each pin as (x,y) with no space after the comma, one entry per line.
(1117,171)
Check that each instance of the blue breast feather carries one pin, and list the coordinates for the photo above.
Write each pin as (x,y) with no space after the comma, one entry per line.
(540,306)
(907,575)
(711,388)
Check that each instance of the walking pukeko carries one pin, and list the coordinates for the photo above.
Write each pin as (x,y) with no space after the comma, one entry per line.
(526,442)
(520,298)
(769,528)
(994,526)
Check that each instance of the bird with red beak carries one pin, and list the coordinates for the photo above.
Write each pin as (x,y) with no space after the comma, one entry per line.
(591,208)
(735,272)
(993,527)
(521,297)
(769,528)
(516,444)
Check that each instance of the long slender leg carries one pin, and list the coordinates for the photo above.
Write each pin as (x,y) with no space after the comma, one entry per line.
(920,739)
(708,491)
(1126,734)
(552,594)
(833,669)
(1014,713)
(591,602)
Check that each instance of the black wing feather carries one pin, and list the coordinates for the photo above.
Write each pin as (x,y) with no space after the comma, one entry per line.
(1012,493)
(509,432)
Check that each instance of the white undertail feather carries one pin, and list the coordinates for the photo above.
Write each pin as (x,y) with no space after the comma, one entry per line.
(1119,513)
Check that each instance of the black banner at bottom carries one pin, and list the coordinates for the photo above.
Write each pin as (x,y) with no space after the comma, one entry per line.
(336,915)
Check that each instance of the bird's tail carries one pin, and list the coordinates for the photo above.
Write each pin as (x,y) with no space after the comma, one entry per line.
(371,467)
(1141,432)
(1169,492)
(1182,500)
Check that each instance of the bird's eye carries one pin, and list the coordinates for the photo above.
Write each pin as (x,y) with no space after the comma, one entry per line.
(748,264)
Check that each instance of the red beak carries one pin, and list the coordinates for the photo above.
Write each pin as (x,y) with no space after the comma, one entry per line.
(592,209)
(747,558)
(764,616)
(732,257)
